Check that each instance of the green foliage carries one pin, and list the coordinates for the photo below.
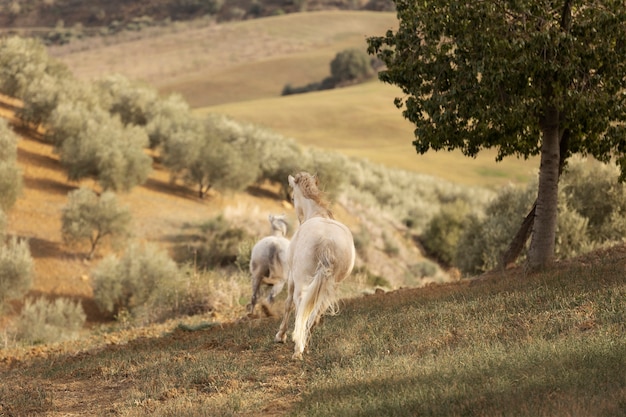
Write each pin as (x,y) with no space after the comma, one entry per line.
(10,173)
(351,65)
(371,279)
(133,282)
(347,67)
(220,243)
(592,190)
(16,270)
(519,77)
(44,321)
(211,156)
(127,99)
(91,143)
(448,69)
(3,225)
(390,247)
(168,116)
(22,60)
(442,234)
(331,169)
(362,241)
(485,238)
(89,217)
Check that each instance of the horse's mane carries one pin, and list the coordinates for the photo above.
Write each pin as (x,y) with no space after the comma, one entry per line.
(308,186)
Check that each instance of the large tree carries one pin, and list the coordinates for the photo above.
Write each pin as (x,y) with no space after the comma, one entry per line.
(524,77)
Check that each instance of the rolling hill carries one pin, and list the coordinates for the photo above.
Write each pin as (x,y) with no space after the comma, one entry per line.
(240,69)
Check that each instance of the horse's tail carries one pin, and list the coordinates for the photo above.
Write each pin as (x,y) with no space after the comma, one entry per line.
(318,298)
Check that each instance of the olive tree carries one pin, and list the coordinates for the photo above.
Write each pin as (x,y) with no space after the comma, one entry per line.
(23,61)
(525,77)
(210,157)
(127,99)
(10,173)
(91,143)
(89,217)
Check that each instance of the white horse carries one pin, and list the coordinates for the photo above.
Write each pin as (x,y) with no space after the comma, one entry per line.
(321,254)
(268,260)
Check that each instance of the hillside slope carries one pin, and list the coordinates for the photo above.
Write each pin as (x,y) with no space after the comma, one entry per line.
(240,69)
(550,344)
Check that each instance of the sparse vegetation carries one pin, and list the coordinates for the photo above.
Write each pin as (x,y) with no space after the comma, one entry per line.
(457,349)
(472,332)
(92,218)
(348,67)
(49,321)
(16,270)
(10,173)
(137,283)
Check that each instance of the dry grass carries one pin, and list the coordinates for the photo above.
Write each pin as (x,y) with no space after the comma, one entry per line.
(240,69)
(550,344)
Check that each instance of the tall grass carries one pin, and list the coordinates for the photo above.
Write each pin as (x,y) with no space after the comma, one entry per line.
(550,344)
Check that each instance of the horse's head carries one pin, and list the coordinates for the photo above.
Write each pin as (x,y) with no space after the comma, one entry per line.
(278,224)
(308,199)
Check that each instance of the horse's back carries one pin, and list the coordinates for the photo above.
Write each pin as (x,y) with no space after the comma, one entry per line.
(319,233)
(265,249)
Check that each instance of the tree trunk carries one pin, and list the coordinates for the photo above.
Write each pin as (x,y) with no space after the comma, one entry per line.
(519,240)
(541,251)
(521,237)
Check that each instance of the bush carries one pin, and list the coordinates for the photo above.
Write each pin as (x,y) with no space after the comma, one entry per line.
(220,246)
(10,173)
(592,189)
(43,321)
(16,270)
(92,218)
(485,238)
(442,234)
(127,284)
(351,65)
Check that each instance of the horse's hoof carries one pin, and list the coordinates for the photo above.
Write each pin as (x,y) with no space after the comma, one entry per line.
(297,356)
(280,338)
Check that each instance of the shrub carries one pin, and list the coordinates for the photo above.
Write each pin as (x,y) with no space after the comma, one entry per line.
(16,270)
(10,173)
(43,321)
(485,238)
(442,234)
(92,218)
(362,241)
(130,282)
(592,189)
(371,279)
(351,65)
(3,226)
(220,243)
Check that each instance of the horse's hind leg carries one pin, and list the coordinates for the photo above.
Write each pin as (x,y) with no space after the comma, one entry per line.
(257,278)
(276,289)
(281,336)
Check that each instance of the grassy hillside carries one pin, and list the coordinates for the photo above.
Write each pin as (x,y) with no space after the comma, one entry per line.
(221,63)
(551,344)
(240,69)
(362,121)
